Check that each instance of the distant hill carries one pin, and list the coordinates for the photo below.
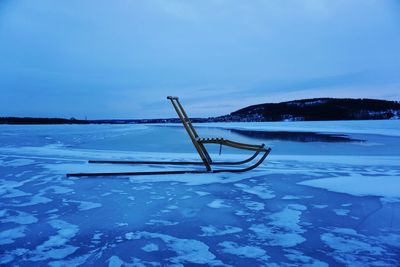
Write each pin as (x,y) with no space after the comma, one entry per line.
(29,120)
(315,109)
(318,109)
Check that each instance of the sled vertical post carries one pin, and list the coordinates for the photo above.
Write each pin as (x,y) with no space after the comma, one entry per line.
(190,130)
(188,121)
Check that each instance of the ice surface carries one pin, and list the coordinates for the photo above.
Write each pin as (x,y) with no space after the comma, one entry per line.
(335,205)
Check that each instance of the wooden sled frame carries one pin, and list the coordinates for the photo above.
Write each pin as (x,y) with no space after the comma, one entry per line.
(199,144)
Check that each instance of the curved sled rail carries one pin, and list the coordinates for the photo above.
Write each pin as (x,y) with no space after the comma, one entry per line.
(262,158)
(176,162)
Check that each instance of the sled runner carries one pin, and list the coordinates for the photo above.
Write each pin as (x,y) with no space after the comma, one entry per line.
(260,152)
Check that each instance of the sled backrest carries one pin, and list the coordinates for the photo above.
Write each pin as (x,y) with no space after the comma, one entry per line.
(205,157)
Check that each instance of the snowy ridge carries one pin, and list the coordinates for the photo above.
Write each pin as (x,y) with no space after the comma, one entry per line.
(317,109)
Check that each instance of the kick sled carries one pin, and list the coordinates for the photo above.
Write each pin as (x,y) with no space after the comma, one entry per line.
(260,153)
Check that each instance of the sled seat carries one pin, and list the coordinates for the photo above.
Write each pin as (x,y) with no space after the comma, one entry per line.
(226,142)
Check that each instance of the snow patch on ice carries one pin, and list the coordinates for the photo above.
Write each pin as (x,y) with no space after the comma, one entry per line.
(359,185)
(349,247)
(213,231)
(320,206)
(333,159)
(291,197)
(300,259)
(150,247)
(11,255)
(8,236)
(244,251)
(390,199)
(56,189)
(259,190)
(341,212)
(85,205)
(18,162)
(129,235)
(35,200)
(254,205)
(161,222)
(8,189)
(283,229)
(217,204)
(97,236)
(390,239)
(242,213)
(297,207)
(187,250)
(74,262)
(115,261)
(56,246)
(201,193)
(18,217)
(14,193)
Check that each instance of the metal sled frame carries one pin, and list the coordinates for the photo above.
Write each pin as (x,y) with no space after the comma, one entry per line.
(200,148)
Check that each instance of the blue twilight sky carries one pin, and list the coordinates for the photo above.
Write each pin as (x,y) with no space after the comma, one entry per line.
(119,59)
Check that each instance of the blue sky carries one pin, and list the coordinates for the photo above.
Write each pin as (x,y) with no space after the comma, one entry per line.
(120,59)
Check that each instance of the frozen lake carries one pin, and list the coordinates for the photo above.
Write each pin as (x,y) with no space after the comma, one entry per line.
(328,194)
